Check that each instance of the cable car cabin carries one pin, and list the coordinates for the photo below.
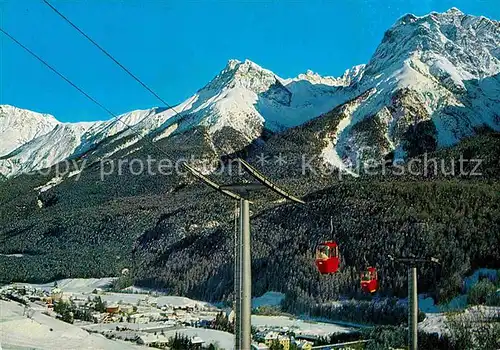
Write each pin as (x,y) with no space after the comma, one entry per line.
(327,257)
(369,280)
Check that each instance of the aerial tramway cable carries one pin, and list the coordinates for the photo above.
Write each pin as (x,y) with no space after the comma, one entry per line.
(109,55)
(57,72)
(125,69)
(245,262)
(92,99)
(79,89)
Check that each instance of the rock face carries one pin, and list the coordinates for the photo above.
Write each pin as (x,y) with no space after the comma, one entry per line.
(432,81)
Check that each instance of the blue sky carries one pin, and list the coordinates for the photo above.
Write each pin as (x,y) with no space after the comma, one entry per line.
(176,47)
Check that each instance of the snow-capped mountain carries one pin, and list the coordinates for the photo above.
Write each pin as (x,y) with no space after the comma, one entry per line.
(244,98)
(247,97)
(435,76)
(61,140)
(349,77)
(432,81)
(18,126)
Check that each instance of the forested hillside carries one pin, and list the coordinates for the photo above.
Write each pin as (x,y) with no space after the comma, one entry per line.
(173,232)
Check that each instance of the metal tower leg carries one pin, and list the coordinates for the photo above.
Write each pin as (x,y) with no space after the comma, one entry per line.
(246,277)
(237,286)
(412,309)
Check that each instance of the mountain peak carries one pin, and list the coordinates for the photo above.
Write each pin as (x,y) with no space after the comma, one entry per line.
(13,109)
(246,74)
(250,65)
(346,79)
(454,11)
(316,78)
(232,63)
(309,75)
(464,46)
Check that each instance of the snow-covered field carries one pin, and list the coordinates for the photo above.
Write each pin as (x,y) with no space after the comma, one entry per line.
(76,285)
(224,340)
(113,298)
(44,332)
(268,299)
(305,327)
(300,326)
(141,290)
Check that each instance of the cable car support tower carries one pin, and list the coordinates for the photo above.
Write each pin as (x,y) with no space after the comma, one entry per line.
(412,262)
(243,263)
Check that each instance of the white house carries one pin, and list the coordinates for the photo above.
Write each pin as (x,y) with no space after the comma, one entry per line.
(197,340)
(153,340)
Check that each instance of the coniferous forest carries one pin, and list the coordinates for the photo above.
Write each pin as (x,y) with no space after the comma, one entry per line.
(174,233)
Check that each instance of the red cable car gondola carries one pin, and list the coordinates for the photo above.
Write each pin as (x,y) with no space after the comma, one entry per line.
(327,257)
(369,280)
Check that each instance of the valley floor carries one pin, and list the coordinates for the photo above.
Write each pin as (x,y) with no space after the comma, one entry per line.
(44,332)
(157,316)
(41,330)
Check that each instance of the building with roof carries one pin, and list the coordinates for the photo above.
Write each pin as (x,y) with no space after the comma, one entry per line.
(303,344)
(270,337)
(197,340)
(112,309)
(159,340)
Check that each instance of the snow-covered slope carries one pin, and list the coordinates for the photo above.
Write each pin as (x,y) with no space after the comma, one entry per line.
(18,126)
(247,97)
(123,125)
(44,332)
(243,98)
(45,150)
(66,140)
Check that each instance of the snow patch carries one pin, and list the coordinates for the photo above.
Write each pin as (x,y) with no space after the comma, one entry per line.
(434,323)
(268,299)
(13,255)
(330,156)
(166,133)
(74,172)
(122,146)
(51,183)
(75,285)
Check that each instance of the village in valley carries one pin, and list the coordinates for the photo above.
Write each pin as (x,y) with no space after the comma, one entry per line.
(138,318)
